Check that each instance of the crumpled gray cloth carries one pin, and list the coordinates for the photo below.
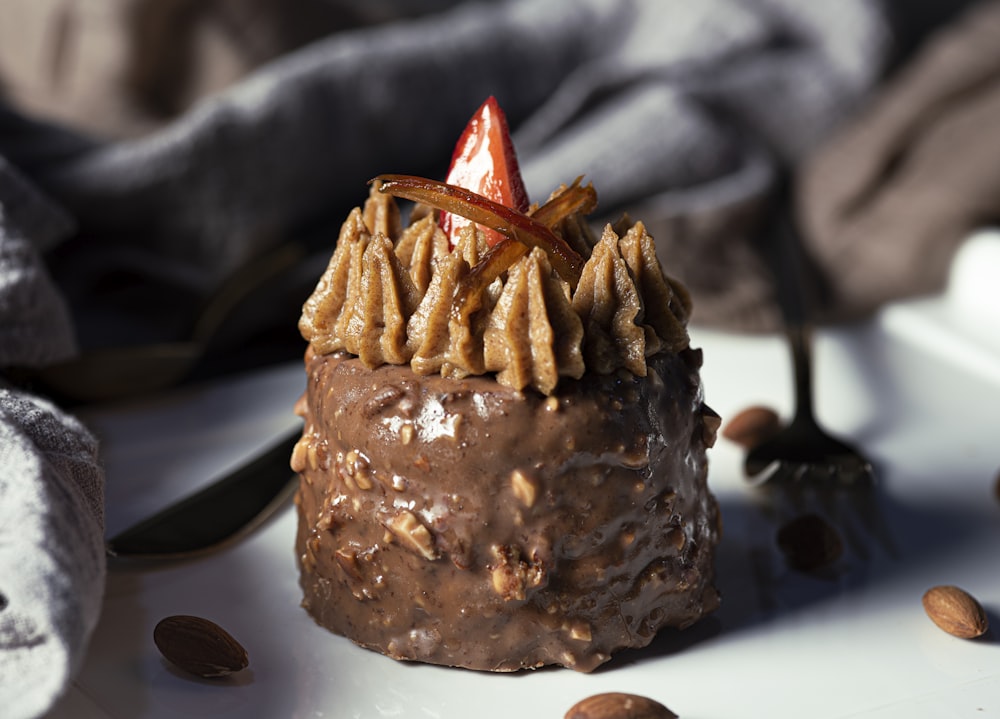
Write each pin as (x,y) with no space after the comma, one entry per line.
(674,109)
(51,550)
(51,483)
(667,106)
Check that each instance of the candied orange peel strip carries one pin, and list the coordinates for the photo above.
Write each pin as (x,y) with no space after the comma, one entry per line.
(502,256)
(509,222)
(572,200)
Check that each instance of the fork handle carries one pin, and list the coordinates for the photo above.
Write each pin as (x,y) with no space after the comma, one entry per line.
(800,344)
(786,257)
(784,254)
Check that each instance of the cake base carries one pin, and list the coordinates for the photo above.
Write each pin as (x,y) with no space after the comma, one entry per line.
(462,523)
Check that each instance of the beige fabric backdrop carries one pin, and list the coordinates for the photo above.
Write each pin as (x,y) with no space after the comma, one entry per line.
(119,68)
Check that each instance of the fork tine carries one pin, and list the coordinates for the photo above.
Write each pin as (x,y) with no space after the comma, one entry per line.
(759,468)
(817,491)
(863,499)
(853,507)
(839,502)
(866,505)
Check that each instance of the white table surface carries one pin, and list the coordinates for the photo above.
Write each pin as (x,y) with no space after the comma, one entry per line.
(918,387)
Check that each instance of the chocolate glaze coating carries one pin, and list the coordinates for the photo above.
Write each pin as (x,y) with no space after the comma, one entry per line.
(463,523)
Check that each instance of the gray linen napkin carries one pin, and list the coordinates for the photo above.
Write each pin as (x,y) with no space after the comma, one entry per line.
(51,485)
(666,105)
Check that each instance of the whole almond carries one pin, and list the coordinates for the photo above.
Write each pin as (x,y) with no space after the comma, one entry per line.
(751,426)
(199,646)
(955,611)
(617,705)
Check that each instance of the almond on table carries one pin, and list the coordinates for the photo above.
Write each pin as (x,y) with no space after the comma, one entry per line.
(750,426)
(955,611)
(619,705)
(199,646)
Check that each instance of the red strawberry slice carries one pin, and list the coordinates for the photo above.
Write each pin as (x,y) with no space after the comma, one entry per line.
(484,162)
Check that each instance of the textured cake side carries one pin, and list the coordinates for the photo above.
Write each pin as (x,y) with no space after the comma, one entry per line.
(467,524)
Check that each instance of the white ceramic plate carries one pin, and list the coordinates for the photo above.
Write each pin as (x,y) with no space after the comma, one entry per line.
(852,643)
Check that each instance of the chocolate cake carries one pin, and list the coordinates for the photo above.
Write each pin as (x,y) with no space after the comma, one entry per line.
(503,463)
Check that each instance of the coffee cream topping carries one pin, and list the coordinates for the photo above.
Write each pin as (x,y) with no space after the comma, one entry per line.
(395,295)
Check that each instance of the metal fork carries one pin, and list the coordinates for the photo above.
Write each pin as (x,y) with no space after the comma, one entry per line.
(803,462)
(803,451)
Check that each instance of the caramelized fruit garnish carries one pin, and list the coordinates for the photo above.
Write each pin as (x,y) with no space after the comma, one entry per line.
(572,200)
(484,162)
(501,256)
(508,222)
